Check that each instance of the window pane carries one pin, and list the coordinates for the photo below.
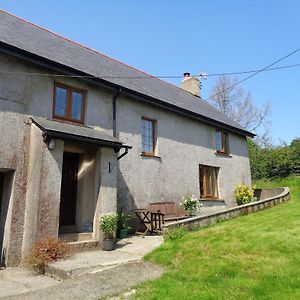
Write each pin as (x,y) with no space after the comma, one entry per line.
(224,142)
(201,182)
(147,136)
(60,101)
(214,182)
(218,141)
(208,182)
(76,105)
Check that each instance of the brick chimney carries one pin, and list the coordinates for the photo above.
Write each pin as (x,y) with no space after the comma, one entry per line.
(191,84)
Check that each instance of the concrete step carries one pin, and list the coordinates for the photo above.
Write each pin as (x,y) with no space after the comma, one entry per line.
(128,251)
(98,285)
(80,246)
(76,237)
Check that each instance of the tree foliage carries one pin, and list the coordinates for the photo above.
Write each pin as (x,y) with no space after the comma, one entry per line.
(270,162)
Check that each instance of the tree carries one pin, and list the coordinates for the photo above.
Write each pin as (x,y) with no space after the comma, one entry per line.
(270,162)
(258,160)
(237,104)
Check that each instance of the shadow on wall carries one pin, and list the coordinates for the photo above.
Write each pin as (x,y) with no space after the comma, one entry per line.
(126,202)
(6,181)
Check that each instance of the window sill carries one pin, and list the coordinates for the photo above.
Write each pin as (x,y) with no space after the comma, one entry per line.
(223,154)
(64,120)
(150,155)
(211,199)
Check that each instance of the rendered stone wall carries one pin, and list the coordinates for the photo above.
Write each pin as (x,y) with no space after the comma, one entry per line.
(182,144)
(14,155)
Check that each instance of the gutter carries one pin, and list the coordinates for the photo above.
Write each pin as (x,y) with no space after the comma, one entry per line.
(114,107)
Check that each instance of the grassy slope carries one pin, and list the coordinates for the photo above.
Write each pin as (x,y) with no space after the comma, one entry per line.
(250,257)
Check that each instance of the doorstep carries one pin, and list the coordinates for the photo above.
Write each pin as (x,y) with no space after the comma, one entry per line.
(76,237)
(82,241)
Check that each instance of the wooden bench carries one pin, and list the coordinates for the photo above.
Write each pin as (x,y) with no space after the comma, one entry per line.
(169,209)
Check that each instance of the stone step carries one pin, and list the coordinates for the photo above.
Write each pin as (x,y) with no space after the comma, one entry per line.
(76,237)
(128,250)
(80,246)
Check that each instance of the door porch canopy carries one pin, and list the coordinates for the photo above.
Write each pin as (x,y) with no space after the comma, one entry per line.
(55,129)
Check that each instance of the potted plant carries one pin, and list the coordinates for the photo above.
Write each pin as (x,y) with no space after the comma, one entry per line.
(123,227)
(191,204)
(108,225)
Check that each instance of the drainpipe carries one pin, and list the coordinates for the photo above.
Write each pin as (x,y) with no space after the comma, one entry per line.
(114,104)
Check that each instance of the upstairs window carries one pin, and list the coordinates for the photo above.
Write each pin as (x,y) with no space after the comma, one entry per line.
(68,103)
(221,142)
(148,136)
(208,177)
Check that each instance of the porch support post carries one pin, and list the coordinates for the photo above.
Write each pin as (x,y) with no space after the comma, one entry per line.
(107,196)
(43,190)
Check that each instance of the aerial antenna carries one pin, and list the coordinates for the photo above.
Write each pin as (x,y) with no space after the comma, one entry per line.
(202,75)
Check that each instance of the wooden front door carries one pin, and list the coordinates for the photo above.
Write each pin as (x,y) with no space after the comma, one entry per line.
(67,216)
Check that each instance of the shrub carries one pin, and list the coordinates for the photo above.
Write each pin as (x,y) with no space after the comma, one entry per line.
(190,203)
(47,250)
(175,233)
(243,194)
(123,220)
(108,225)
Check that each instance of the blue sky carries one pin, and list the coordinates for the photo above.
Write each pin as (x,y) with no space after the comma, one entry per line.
(171,37)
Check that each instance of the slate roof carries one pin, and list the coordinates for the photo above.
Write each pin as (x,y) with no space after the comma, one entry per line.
(69,131)
(31,38)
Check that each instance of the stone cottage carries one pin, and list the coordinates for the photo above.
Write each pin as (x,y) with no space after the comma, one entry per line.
(83,134)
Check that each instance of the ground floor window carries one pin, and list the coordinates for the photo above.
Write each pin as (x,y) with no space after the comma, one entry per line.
(208,177)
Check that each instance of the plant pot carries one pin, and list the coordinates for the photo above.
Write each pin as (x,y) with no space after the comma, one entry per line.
(108,244)
(123,233)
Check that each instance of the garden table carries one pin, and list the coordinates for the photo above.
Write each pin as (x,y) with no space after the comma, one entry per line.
(152,220)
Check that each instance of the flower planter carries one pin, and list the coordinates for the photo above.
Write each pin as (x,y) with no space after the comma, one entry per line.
(123,233)
(109,244)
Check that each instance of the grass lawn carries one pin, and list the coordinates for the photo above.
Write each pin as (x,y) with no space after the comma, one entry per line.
(251,257)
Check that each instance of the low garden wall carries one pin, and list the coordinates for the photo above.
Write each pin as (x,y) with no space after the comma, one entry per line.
(266,198)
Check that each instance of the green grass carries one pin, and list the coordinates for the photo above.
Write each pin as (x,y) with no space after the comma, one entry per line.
(251,257)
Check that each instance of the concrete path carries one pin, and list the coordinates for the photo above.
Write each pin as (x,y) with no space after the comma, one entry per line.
(97,285)
(15,281)
(88,275)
